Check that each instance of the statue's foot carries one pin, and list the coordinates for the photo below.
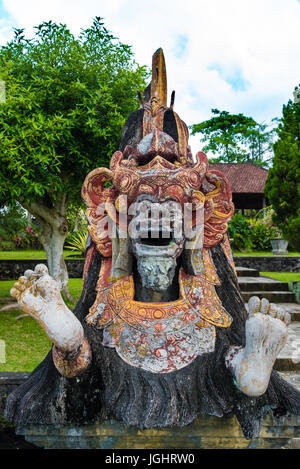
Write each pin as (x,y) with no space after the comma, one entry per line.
(266,334)
(38,294)
(266,328)
(34,290)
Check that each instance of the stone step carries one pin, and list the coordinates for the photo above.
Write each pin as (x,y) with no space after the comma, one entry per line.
(272,296)
(293,309)
(292,377)
(262,284)
(205,432)
(246,272)
(289,357)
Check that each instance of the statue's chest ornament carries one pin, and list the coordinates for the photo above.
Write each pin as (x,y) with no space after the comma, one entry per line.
(161,337)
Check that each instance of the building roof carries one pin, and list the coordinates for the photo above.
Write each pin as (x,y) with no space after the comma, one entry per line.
(243,177)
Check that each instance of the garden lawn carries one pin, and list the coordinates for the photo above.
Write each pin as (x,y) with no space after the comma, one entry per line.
(283,276)
(263,253)
(32,255)
(26,343)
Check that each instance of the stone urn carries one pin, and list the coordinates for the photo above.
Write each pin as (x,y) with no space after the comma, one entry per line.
(279,246)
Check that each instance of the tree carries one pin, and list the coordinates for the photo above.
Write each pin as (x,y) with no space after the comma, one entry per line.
(283,183)
(12,219)
(66,102)
(235,138)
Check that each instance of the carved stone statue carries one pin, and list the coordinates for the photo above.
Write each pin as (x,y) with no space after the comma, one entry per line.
(160,333)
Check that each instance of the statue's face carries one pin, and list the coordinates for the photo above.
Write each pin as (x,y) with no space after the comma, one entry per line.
(157,240)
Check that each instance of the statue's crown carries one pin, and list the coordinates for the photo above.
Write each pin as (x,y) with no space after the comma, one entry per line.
(160,129)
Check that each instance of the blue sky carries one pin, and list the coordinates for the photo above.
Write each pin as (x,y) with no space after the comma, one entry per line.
(233,77)
(236,55)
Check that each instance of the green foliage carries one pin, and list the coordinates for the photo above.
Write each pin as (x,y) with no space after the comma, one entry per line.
(76,217)
(12,220)
(235,138)
(261,234)
(14,232)
(67,99)
(77,241)
(283,184)
(240,233)
(6,245)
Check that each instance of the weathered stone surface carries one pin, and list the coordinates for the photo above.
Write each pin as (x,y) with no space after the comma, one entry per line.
(289,357)
(8,382)
(269,263)
(246,272)
(204,433)
(262,284)
(12,269)
(272,296)
(293,309)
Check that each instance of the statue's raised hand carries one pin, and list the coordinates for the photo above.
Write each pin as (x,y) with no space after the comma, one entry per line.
(38,294)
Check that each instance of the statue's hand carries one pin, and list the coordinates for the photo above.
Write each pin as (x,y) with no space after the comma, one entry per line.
(38,294)
(266,334)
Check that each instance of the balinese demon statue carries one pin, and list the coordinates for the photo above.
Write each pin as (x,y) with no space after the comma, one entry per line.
(160,333)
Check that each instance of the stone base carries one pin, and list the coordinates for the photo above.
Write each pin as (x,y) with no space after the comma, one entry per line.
(279,252)
(204,433)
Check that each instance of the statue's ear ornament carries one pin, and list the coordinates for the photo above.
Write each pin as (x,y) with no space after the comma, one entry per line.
(96,197)
(218,208)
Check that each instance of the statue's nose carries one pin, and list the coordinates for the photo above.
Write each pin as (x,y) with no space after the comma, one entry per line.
(157,143)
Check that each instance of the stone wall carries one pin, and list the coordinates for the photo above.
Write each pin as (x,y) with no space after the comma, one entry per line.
(269,263)
(8,382)
(12,269)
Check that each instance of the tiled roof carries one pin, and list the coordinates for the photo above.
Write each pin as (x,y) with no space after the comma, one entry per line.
(243,177)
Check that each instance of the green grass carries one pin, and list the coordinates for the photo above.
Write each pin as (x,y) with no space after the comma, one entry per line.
(5,286)
(262,253)
(30,254)
(75,287)
(25,342)
(283,276)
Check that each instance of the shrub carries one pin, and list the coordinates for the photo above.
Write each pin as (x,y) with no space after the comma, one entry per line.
(240,232)
(6,245)
(261,234)
(27,239)
(76,241)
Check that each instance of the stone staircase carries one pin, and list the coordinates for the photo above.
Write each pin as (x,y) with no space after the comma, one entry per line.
(253,284)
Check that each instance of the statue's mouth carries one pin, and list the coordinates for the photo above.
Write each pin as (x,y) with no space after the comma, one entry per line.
(157,243)
(156,238)
(156,229)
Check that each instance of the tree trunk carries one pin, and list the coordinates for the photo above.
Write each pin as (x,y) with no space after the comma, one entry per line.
(53,239)
(54,227)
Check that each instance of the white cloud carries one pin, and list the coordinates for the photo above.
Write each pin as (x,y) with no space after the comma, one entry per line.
(257,40)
